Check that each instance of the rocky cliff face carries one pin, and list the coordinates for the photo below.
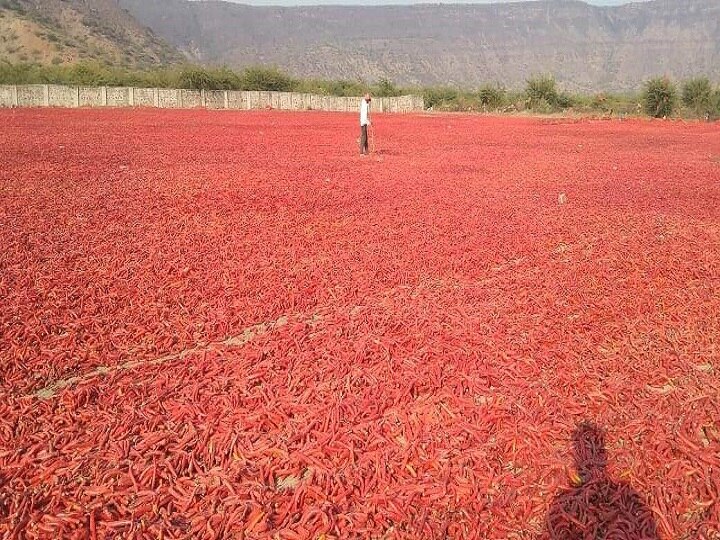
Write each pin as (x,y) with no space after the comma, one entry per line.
(586,47)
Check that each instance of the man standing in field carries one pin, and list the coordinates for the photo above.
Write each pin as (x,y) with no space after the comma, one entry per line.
(364,123)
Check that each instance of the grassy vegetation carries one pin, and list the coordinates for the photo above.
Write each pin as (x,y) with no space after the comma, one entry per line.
(187,76)
(660,97)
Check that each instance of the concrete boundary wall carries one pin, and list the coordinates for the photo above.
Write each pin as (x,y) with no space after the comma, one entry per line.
(49,95)
(59,95)
(8,96)
(119,97)
(144,97)
(35,95)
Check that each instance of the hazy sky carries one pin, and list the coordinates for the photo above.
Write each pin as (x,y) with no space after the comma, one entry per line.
(382,2)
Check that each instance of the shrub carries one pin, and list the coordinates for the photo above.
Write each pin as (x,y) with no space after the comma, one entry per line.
(333,88)
(698,95)
(541,91)
(564,101)
(386,88)
(267,79)
(466,101)
(87,74)
(196,78)
(715,104)
(199,78)
(226,79)
(542,95)
(492,97)
(440,98)
(346,88)
(542,106)
(14,73)
(660,97)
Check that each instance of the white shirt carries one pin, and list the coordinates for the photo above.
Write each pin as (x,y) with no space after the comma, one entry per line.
(364,112)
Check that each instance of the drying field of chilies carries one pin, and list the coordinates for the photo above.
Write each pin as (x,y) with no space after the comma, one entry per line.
(232,325)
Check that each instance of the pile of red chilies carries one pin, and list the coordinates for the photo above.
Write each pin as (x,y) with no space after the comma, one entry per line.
(231,325)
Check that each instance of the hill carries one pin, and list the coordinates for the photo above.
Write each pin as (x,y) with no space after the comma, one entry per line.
(587,47)
(65,31)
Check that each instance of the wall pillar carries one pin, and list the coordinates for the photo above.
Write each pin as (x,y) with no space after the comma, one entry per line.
(180,98)
(156,97)
(15,101)
(46,95)
(131,96)
(203,101)
(226,101)
(103,96)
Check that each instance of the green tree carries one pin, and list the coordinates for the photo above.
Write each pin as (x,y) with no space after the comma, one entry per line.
(541,90)
(660,97)
(697,94)
(542,94)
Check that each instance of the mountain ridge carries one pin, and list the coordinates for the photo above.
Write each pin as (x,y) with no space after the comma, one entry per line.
(587,48)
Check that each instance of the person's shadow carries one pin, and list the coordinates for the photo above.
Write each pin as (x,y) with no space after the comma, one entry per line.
(598,508)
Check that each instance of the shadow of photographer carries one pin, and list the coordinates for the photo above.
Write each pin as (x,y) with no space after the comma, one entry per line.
(597,507)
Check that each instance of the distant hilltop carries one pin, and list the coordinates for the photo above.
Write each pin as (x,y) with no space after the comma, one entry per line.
(68,31)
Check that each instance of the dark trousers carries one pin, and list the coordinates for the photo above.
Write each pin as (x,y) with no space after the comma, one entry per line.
(363,140)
